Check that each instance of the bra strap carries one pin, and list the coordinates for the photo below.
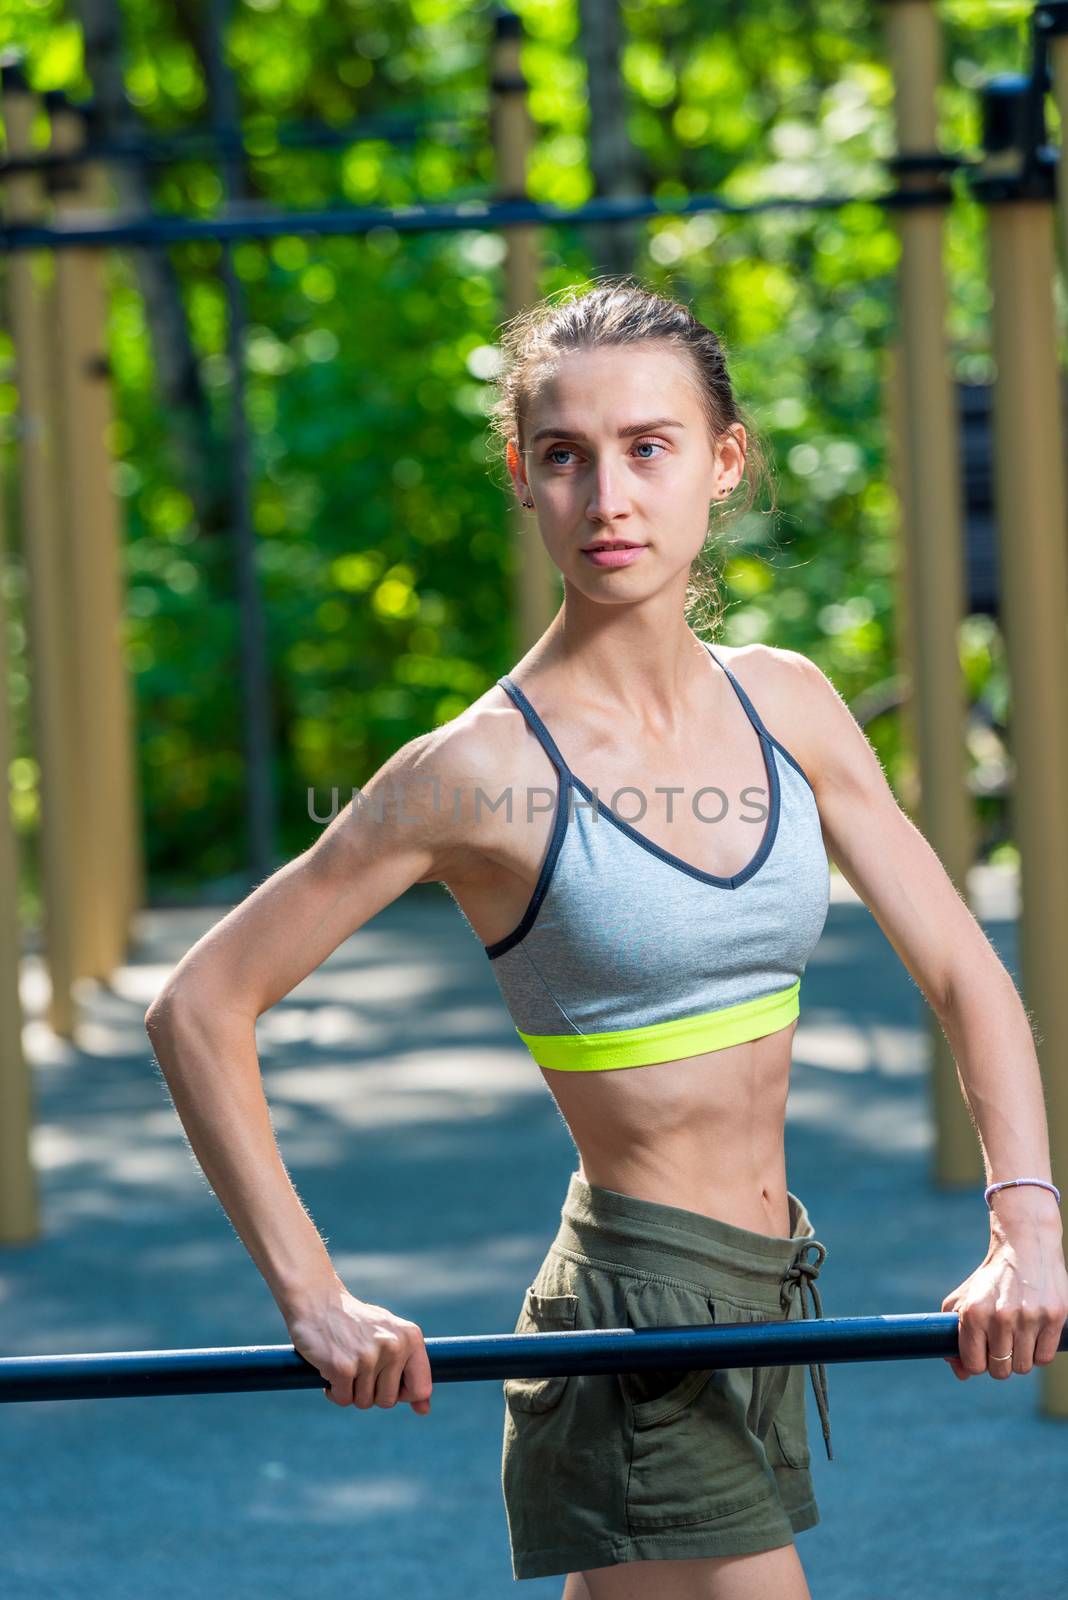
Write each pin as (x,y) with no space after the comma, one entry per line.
(537,726)
(750,708)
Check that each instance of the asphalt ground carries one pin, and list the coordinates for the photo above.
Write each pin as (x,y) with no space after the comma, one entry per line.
(434,1162)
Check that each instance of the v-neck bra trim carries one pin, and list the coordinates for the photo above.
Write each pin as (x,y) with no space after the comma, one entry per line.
(613,964)
(734,880)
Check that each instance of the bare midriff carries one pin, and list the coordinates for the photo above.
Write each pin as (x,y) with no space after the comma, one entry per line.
(705,1133)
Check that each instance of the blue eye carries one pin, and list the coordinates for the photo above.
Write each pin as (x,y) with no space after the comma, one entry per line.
(558,449)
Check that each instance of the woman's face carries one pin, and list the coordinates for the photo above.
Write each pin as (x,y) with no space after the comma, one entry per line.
(616,448)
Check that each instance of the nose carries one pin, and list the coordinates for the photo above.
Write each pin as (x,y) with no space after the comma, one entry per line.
(607,501)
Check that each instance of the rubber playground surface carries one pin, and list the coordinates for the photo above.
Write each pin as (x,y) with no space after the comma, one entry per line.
(425,1145)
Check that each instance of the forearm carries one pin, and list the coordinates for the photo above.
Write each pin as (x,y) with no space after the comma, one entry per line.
(990,1036)
(208,1058)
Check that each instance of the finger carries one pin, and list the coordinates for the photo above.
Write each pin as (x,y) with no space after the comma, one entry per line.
(387,1385)
(1024,1337)
(339,1389)
(949,1303)
(417,1404)
(972,1342)
(1048,1341)
(418,1379)
(386,1367)
(1001,1341)
(363,1392)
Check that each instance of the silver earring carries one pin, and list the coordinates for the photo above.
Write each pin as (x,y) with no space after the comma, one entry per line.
(529,504)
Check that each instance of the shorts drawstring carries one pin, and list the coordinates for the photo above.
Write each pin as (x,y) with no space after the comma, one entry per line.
(803,1273)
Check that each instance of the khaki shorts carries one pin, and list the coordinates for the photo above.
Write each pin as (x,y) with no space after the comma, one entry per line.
(605,1468)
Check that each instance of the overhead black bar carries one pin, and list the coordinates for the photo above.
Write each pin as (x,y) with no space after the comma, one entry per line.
(258,223)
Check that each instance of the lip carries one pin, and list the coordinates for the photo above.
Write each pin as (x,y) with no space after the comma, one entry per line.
(603,556)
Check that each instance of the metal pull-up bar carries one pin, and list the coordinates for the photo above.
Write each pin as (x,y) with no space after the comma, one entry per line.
(129,1373)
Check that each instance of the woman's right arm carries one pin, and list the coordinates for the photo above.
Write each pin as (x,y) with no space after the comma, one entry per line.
(202,1028)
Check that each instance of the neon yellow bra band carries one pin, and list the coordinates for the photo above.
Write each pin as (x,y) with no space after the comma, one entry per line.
(665,1041)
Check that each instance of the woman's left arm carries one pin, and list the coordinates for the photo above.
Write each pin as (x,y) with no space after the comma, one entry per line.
(1017,1298)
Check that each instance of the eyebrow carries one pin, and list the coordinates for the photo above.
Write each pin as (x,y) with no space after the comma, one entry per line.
(624,433)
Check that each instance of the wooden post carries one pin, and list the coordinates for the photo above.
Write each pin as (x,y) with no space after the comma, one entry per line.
(1031,500)
(19,1214)
(932,529)
(109,810)
(538,593)
(33,320)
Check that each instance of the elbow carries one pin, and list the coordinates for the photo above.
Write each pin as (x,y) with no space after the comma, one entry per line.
(972,983)
(160,1014)
(185,1006)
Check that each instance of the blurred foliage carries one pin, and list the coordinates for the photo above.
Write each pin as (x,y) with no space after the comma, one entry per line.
(384,532)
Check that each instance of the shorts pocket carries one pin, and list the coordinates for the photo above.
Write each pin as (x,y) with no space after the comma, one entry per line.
(686,1388)
(793,1445)
(653,1394)
(541,1313)
(692,1458)
(790,1425)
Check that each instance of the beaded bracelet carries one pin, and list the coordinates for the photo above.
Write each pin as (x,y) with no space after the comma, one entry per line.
(1011,1183)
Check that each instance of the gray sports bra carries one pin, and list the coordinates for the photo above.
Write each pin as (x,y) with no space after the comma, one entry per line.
(626,955)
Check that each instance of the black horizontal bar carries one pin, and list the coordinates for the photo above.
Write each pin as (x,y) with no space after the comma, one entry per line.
(201,144)
(241,1369)
(252,223)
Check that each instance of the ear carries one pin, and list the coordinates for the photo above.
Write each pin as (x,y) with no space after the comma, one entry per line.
(730,461)
(515,467)
(737,444)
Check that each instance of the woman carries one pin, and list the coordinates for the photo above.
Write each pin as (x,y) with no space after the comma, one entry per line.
(652,971)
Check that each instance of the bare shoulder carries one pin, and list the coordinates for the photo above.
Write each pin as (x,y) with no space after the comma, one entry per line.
(876,846)
(801,707)
(432,787)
